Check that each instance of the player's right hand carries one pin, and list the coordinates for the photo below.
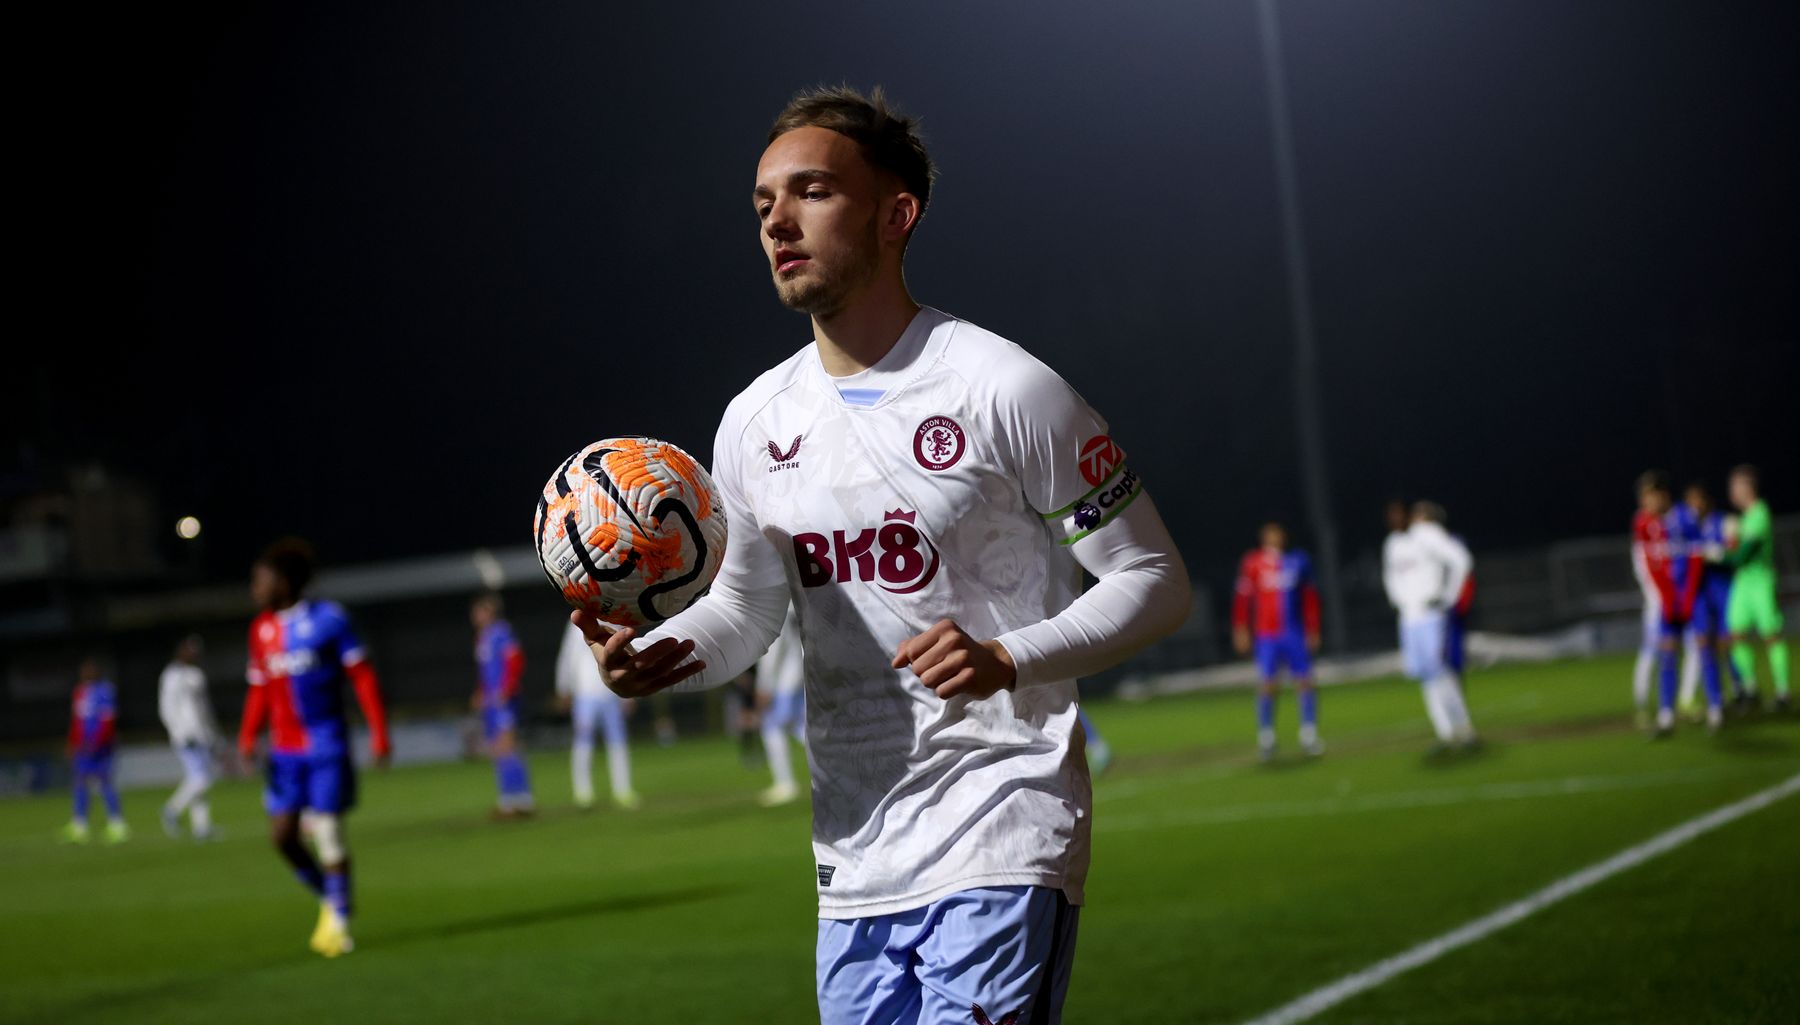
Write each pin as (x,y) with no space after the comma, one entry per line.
(1240,639)
(634,674)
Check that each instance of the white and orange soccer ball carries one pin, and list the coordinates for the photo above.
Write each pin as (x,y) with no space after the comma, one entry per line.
(630,529)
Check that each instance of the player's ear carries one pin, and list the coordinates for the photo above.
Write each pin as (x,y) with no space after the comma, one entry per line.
(904,211)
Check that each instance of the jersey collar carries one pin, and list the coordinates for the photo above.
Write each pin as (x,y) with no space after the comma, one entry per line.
(918,348)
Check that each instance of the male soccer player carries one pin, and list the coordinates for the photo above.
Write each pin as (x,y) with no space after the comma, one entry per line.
(188,716)
(92,724)
(1650,564)
(1754,610)
(1275,601)
(499,668)
(780,683)
(1672,558)
(937,493)
(301,652)
(1702,528)
(1423,569)
(581,692)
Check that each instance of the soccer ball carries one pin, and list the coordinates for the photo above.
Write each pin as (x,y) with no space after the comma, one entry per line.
(630,529)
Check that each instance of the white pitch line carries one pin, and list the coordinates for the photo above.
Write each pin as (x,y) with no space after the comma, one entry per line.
(1326,997)
(1388,800)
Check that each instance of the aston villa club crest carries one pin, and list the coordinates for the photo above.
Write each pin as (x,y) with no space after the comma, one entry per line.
(785,458)
(938,444)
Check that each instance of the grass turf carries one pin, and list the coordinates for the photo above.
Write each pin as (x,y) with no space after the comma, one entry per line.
(1221,887)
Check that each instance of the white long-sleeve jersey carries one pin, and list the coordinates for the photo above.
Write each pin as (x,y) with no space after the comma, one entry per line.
(577,673)
(1424,569)
(186,710)
(975,488)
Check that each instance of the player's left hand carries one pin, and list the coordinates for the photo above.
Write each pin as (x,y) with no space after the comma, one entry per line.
(1312,642)
(951,662)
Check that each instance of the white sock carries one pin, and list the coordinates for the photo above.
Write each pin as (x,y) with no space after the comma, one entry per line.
(1454,707)
(618,767)
(781,764)
(200,817)
(581,770)
(191,787)
(1434,708)
(1690,671)
(1640,677)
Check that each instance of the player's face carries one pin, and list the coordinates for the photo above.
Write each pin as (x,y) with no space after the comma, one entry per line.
(480,615)
(1274,538)
(818,203)
(1653,501)
(1696,500)
(267,588)
(1743,493)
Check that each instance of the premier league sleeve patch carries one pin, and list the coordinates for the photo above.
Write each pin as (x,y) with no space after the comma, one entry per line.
(1113,486)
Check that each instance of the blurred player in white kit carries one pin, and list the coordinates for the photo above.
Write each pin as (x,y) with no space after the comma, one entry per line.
(194,733)
(780,683)
(591,705)
(1423,568)
(925,494)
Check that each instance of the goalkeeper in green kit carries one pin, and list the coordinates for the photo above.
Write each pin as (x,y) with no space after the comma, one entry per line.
(1754,610)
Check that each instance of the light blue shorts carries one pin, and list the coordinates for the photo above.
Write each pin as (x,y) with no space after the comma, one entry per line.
(1422,647)
(593,710)
(995,955)
(787,711)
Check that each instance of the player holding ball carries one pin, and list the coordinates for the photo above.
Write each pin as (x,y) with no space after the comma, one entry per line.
(926,495)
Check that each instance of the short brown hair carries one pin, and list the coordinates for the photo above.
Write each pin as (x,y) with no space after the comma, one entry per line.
(889,139)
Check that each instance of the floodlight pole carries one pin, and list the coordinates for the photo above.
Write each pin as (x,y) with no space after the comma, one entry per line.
(1315,481)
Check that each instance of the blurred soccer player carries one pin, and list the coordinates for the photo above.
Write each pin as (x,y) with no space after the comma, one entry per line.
(780,692)
(301,652)
(188,716)
(1423,568)
(1275,610)
(592,706)
(1650,564)
(928,494)
(1672,554)
(1702,529)
(1754,611)
(1099,752)
(499,669)
(1456,624)
(92,728)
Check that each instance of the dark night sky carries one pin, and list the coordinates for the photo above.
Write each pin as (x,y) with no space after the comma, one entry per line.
(368,271)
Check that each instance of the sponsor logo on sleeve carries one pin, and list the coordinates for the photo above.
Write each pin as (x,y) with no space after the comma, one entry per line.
(825,874)
(1099,457)
(938,444)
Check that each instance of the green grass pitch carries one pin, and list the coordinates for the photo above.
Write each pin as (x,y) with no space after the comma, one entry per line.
(1221,888)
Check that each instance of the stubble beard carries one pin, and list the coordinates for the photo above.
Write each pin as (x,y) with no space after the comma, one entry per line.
(827,291)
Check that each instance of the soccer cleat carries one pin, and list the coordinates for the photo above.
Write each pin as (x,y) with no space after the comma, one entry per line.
(331,937)
(627,799)
(779,794)
(117,831)
(1715,718)
(1313,746)
(585,802)
(1781,704)
(322,929)
(74,832)
(171,823)
(1665,723)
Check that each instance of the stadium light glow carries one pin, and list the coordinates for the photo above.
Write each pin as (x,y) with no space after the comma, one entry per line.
(187,528)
